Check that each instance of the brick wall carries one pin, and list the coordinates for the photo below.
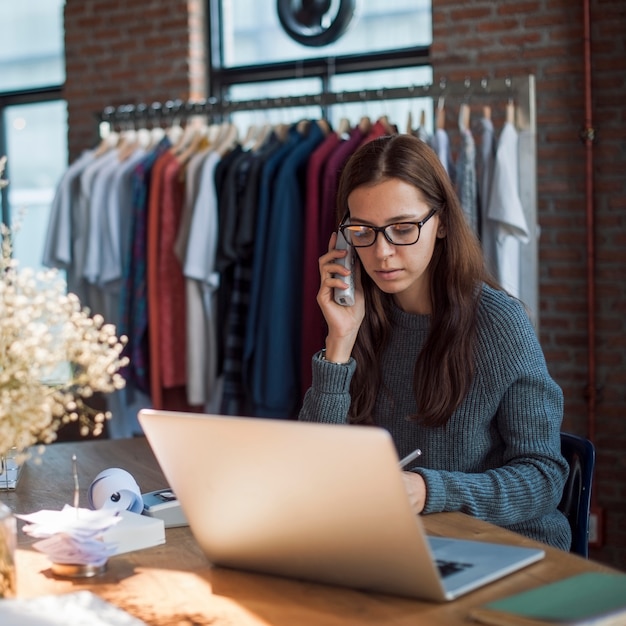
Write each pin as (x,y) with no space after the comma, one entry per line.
(120,52)
(546,38)
(152,50)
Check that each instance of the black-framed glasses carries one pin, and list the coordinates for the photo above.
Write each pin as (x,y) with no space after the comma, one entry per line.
(399,234)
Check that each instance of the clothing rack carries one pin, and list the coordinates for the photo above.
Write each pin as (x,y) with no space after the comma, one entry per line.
(519,90)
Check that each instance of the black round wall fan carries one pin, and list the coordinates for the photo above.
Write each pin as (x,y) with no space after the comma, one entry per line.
(315,22)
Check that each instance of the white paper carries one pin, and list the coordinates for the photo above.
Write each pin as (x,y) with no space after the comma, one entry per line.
(71,609)
(72,535)
(135,532)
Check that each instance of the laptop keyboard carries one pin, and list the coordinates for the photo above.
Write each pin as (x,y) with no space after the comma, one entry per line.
(447,568)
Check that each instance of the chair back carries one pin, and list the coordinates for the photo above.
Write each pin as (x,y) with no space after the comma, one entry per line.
(575,503)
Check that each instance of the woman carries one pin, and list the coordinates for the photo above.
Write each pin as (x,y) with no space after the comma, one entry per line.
(435,351)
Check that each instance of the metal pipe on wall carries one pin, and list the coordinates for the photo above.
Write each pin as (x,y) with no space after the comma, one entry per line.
(588,136)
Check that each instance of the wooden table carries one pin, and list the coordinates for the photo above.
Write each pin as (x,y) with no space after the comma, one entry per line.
(175,584)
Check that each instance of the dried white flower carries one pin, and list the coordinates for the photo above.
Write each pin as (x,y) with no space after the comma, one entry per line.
(53,355)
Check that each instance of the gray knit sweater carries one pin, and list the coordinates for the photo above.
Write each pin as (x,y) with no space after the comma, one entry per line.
(498,458)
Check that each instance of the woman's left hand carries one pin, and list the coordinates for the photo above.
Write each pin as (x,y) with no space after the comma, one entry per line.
(416,490)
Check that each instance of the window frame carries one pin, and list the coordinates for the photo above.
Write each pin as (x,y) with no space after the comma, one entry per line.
(221,78)
(33,95)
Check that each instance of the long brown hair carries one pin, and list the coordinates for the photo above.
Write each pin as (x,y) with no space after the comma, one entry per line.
(445,366)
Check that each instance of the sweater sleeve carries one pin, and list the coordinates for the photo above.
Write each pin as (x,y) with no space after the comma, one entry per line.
(328,398)
(528,473)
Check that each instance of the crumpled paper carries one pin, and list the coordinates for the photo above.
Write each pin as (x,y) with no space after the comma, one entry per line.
(72,536)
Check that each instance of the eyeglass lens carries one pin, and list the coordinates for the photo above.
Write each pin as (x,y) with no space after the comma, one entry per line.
(405,233)
(399,234)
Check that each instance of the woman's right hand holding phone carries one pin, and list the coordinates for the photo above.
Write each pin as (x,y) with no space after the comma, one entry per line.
(343,321)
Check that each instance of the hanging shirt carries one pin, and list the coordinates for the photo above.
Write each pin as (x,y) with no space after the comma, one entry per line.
(257,287)
(277,393)
(314,245)
(201,287)
(245,186)
(153,287)
(485,166)
(236,248)
(171,332)
(224,255)
(133,294)
(192,171)
(466,178)
(116,243)
(441,145)
(332,170)
(98,205)
(64,229)
(88,208)
(506,210)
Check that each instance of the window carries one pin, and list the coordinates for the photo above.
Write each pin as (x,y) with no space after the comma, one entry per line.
(251,33)
(37,149)
(32,50)
(385,45)
(33,118)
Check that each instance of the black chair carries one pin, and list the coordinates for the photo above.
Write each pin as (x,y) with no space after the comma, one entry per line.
(580,453)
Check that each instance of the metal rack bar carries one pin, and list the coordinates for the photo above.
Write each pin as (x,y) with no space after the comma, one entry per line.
(516,88)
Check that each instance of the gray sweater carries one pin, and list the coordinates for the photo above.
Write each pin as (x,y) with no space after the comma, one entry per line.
(498,458)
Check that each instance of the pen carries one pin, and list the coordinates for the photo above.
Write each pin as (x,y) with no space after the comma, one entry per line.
(410,457)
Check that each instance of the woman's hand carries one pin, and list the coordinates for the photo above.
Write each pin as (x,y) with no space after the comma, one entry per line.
(416,490)
(343,321)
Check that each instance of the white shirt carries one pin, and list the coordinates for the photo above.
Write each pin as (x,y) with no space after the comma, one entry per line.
(506,212)
(202,284)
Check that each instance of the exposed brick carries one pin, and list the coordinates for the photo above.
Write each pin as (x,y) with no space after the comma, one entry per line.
(548,34)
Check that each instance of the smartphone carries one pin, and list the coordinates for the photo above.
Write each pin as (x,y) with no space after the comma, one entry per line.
(345,297)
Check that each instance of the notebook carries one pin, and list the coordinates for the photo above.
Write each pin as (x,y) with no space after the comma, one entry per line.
(316,502)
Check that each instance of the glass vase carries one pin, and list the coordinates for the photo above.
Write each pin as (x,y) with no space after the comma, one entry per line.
(8,542)
(10,470)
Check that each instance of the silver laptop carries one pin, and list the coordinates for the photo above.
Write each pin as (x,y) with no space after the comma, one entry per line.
(317,502)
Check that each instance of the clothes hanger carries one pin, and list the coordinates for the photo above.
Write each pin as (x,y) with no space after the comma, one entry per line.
(175,133)
(510,112)
(127,144)
(387,125)
(303,126)
(365,124)
(262,135)
(343,128)
(249,139)
(144,137)
(157,133)
(324,126)
(464,116)
(281,129)
(440,116)
(213,133)
(228,140)
(196,143)
(108,141)
(409,123)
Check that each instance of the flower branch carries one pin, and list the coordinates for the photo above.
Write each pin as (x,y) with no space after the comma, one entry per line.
(54,356)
